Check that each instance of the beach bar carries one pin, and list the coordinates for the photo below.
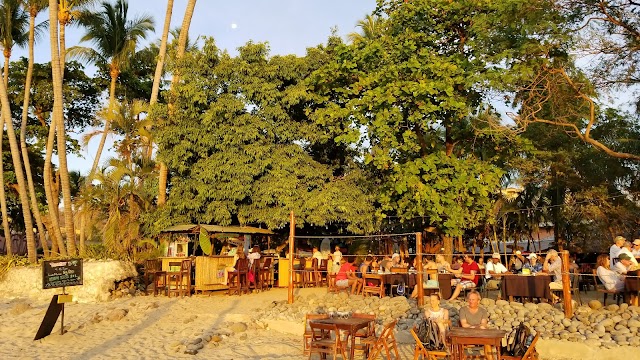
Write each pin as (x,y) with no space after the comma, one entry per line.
(183,242)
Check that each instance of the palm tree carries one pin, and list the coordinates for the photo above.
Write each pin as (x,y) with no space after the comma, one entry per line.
(182,45)
(57,123)
(114,38)
(34,7)
(371,27)
(13,30)
(163,51)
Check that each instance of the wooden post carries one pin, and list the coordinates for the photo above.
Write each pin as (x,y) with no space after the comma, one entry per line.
(292,234)
(566,285)
(419,269)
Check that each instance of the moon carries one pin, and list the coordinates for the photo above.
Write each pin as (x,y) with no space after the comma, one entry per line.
(234,25)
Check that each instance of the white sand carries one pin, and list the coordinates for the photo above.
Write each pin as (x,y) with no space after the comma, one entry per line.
(155,326)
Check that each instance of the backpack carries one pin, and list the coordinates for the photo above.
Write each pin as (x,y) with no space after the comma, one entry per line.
(400,289)
(430,336)
(518,341)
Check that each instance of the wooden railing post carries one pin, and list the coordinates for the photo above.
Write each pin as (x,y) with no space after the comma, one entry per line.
(566,285)
(292,234)
(419,269)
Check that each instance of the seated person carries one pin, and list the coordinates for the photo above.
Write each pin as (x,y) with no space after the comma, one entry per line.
(238,253)
(254,255)
(473,315)
(428,282)
(609,278)
(439,315)
(317,254)
(346,276)
(481,264)
(457,262)
(532,264)
(553,265)
(396,261)
(365,267)
(517,262)
(385,264)
(467,276)
(442,264)
(494,269)
(623,265)
(626,249)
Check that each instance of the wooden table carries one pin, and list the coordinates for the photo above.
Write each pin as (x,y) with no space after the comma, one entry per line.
(460,337)
(529,286)
(349,324)
(444,282)
(632,287)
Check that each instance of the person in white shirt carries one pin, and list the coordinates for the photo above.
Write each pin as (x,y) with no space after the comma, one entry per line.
(609,278)
(337,256)
(614,250)
(317,254)
(636,248)
(626,249)
(493,269)
(623,265)
(254,255)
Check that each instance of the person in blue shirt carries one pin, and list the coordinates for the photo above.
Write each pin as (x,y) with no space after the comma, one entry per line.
(533,265)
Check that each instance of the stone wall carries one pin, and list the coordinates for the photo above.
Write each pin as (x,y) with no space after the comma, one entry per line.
(98,281)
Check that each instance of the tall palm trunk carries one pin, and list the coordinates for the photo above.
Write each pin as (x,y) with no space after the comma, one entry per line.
(107,122)
(56,117)
(7,57)
(17,164)
(182,45)
(155,89)
(3,203)
(23,133)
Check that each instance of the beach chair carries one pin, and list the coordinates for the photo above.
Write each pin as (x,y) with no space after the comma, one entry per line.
(422,352)
(325,339)
(386,341)
(306,337)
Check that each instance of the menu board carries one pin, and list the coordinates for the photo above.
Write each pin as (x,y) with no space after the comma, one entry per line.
(60,273)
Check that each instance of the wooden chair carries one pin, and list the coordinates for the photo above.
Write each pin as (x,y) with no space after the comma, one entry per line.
(386,341)
(325,339)
(254,284)
(323,269)
(299,272)
(238,282)
(373,285)
(530,354)
(311,272)
(332,287)
(174,278)
(150,268)
(363,334)
(185,277)
(428,274)
(159,280)
(617,295)
(306,337)
(421,351)
(265,273)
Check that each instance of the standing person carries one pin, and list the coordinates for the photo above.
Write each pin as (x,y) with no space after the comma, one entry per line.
(494,269)
(609,278)
(614,250)
(336,258)
(438,314)
(467,276)
(473,315)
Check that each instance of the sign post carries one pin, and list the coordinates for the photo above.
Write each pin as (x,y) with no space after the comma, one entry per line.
(56,274)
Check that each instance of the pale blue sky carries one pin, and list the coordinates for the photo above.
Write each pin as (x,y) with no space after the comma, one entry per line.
(289,26)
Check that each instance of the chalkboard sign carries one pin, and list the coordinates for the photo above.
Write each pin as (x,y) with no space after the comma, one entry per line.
(59,273)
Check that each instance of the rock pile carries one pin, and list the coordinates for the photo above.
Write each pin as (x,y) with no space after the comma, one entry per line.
(126,287)
(594,325)
(213,337)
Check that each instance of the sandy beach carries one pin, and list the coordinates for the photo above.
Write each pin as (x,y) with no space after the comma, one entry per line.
(221,326)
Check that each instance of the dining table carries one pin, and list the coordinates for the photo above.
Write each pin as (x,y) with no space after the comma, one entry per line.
(527,286)
(461,337)
(350,325)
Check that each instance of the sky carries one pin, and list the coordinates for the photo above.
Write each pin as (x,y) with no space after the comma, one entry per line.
(289,26)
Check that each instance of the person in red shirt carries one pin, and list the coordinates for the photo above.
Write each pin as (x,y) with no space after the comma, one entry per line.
(467,277)
(346,276)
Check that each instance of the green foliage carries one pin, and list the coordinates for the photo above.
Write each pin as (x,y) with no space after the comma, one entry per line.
(7,262)
(205,242)
(235,142)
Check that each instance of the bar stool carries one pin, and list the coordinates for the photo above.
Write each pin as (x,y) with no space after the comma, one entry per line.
(299,272)
(174,278)
(265,273)
(322,271)
(185,276)
(255,284)
(151,267)
(238,281)
(311,273)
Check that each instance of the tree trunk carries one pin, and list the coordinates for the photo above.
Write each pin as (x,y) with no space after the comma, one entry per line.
(155,89)
(55,117)
(7,56)
(107,122)
(182,44)
(63,45)
(23,135)
(3,201)
(17,164)
(447,241)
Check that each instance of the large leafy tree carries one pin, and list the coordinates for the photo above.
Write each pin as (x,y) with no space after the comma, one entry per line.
(235,144)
